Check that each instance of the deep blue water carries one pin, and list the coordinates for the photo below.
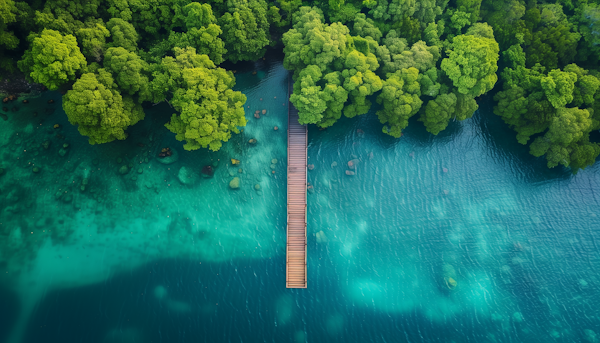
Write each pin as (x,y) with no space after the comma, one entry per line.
(142,257)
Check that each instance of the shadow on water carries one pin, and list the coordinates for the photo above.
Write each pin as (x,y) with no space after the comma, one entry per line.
(9,312)
(192,301)
(168,300)
(349,128)
(417,133)
(501,139)
(262,67)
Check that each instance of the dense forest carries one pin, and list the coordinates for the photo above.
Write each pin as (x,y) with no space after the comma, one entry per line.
(429,58)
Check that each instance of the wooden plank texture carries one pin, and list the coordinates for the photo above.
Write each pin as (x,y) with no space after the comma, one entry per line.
(296,200)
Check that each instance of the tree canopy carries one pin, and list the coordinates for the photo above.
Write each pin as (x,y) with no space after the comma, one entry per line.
(209,110)
(431,60)
(52,59)
(98,110)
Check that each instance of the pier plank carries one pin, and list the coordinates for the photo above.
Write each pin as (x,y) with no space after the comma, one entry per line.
(296,200)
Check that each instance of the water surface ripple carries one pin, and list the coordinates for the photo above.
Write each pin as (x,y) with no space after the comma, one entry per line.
(460,237)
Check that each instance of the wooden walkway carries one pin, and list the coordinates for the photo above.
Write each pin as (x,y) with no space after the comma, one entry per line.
(296,200)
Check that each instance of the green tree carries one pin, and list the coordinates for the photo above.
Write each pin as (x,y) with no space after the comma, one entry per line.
(586,87)
(471,7)
(129,71)
(98,110)
(472,64)
(245,30)
(438,112)
(341,61)
(209,110)
(505,17)
(558,87)
(312,42)
(527,115)
(400,100)
(148,16)
(288,8)
(360,81)
(429,10)
(394,56)
(345,13)
(202,32)
(8,40)
(569,127)
(93,41)
(365,27)
(321,105)
(123,34)
(589,27)
(7,15)
(52,59)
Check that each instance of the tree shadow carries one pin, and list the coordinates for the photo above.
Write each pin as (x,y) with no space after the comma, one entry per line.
(501,139)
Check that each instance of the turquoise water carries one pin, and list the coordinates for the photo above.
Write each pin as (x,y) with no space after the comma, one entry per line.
(463,237)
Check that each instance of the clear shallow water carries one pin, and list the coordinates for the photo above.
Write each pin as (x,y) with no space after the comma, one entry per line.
(153,260)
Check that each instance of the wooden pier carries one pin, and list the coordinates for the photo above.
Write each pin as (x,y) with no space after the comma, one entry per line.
(296,200)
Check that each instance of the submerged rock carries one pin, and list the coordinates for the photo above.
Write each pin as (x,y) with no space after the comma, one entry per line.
(235,183)
(451,283)
(274,161)
(350,172)
(334,164)
(207,171)
(321,237)
(169,159)
(252,141)
(123,170)
(518,317)
(67,198)
(257,187)
(352,163)
(590,336)
(186,176)
(62,152)
(311,167)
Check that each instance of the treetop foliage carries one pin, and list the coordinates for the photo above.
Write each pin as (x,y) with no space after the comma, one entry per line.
(427,59)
